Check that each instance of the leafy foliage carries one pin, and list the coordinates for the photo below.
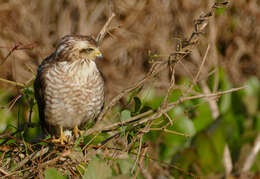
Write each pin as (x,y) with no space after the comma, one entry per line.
(51,173)
(204,147)
(97,169)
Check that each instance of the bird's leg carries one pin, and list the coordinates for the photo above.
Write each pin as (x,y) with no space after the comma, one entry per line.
(77,132)
(62,137)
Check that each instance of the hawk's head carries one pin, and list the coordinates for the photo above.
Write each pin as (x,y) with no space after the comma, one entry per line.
(77,47)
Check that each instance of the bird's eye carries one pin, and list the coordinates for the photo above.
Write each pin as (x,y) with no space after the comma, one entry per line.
(86,50)
(89,49)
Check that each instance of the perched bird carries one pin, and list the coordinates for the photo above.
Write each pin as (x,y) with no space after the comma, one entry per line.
(69,88)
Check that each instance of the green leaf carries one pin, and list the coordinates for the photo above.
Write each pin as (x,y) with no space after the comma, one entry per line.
(138,104)
(251,99)
(220,11)
(145,108)
(225,103)
(208,159)
(97,169)
(184,158)
(225,100)
(204,116)
(251,104)
(126,165)
(132,95)
(257,125)
(52,173)
(28,91)
(184,125)
(125,114)
(149,98)
(253,87)
(175,95)
(122,130)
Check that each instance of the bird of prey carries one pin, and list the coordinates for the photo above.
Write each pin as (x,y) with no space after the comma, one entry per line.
(69,88)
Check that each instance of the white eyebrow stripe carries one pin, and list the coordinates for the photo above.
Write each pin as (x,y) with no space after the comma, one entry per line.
(60,48)
(82,44)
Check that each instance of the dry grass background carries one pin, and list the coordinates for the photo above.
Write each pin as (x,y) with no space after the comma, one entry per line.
(140,28)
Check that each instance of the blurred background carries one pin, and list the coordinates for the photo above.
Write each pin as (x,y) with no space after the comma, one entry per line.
(222,140)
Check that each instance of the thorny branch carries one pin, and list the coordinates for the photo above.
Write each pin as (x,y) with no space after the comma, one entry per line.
(17,46)
(183,50)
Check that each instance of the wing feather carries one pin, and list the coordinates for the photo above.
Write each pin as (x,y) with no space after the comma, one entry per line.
(39,88)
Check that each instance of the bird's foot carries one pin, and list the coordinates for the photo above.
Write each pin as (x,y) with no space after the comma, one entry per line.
(77,132)
(61,139)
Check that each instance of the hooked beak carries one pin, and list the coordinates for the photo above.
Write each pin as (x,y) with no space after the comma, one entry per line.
(98,54)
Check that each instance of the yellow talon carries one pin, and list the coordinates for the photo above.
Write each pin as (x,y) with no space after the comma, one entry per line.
(62,137)
(77,132)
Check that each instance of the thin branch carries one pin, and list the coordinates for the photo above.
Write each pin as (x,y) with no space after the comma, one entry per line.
(30,157)
(112,102)
(141,166)
(138,154)
(159,66)
(170,131)
(169,118)
(202,64)
(104,30)
(159,113)
(4,172)
(18,46)
(227,161)
(182,99)
(12,82)
(129,120)
(165,164)
(252,155)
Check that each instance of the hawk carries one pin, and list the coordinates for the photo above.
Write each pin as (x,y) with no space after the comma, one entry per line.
(69,88)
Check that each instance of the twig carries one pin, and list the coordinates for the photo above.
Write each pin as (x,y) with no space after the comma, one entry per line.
(132,119)
(252,155)
(112,102)
(141,159)
(202,64)
(209,74)
(212,102)
(227,161)
(103,31)
(172,83)
(12,83)
(195,80)
(49,162)
(205,88)
(9,53)
(4,172)
(158,67)
(138,154)
(31,70)
(32,156)
(159,161)
(168,117)
(89,142)
(182,99)
(170,131)
(158,114)
(18,46)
